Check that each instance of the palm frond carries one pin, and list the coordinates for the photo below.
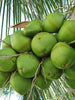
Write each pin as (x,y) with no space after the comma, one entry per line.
(15,11)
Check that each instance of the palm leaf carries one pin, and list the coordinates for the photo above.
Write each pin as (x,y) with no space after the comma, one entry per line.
(13,12)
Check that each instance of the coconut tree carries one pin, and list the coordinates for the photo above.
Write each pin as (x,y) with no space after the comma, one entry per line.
(18,13)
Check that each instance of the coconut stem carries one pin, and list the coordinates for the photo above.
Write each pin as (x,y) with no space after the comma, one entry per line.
(5,42)
(4,85)
(66,12)
(31,9)
(6,57)
(44,73)
(6,80)
(33,81)
(71,42)
(73,15)
(71,91)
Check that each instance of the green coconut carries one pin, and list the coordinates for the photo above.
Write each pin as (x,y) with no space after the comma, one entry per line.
(53,22)
(33,28)
(19,42)
(67,31)
(4,77)
(49,70)
(70,82)
(70,72)
(41,83)
(7,42)
(7,64)
(42,43)
(20,84)
(63,56)
(27,65)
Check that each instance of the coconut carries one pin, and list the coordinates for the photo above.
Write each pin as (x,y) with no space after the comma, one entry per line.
(63,56)
(7,42)
(7,64)
(53,22)
(19,42)
(20,84)
(4,77)
(49,70)
(67,31)
(33,28)
(70,82)
(41,83)
(70,72)
(27,65)
(42,43)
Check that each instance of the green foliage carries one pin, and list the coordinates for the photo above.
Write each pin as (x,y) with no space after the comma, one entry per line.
(12,12)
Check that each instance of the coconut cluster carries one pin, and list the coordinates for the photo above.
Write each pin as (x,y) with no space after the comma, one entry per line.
(41,51)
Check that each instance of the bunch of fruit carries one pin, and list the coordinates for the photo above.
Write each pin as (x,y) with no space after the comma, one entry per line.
(40,51)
